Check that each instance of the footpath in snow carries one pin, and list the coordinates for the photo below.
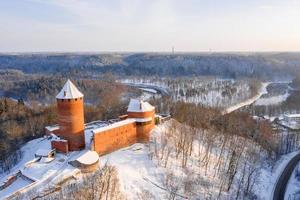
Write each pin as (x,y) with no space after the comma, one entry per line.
(262,91)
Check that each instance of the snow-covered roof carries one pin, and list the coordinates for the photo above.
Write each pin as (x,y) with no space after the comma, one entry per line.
(114,125)
(88,158)
(69,91)
(136,105)
(143,119)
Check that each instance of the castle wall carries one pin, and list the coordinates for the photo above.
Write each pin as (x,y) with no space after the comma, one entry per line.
(143,130)
(71,122)
(61,146)
(143,127)
(115,138)
(141,114)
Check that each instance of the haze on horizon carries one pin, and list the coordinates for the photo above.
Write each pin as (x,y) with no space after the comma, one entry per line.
(143,25)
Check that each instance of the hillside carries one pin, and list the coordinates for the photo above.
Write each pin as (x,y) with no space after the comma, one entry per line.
(172,165)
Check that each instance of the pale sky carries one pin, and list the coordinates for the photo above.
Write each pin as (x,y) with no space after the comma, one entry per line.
(149,25)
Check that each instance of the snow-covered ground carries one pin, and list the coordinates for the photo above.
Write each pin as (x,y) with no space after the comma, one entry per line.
(268,177)
(18,184)
(274,100)
(28,151)
(293,187)
(139,174)
(135,171)
(41,173)
(263,90)
(44,174)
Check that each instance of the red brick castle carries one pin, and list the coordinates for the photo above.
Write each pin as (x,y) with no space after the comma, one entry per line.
(134,127)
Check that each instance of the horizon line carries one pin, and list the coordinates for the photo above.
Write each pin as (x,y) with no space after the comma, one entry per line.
(144,52)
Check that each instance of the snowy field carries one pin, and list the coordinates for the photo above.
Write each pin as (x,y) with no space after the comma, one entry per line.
(141,174)
(135,171)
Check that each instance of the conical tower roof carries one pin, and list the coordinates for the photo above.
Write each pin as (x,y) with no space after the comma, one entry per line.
(69,91)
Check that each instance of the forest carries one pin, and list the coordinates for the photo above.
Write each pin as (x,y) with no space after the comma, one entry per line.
(226,65)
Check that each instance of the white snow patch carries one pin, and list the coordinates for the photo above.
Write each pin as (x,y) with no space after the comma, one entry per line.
(134,169)
(43,152)
(18,184)
(274,100)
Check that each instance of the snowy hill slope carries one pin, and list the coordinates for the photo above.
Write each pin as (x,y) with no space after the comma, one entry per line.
(178,162)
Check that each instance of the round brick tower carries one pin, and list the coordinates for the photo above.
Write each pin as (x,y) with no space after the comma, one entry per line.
(71,116)
(144,115)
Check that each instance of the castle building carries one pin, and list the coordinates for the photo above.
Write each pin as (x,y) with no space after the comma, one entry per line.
(71,116)
(133,127)
(144,115)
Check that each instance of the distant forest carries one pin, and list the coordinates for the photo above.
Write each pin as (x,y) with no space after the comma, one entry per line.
(42,88)
(255,65)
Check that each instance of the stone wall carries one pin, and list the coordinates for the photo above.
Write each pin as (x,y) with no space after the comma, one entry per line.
(143,130)
(115,138)
(141,114)
(61,146)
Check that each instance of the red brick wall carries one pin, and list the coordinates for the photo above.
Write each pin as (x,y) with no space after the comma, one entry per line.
(141,114)
(144,128)
(71,122)
(116,138)
(143,131)
(60,146)
(126,135)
